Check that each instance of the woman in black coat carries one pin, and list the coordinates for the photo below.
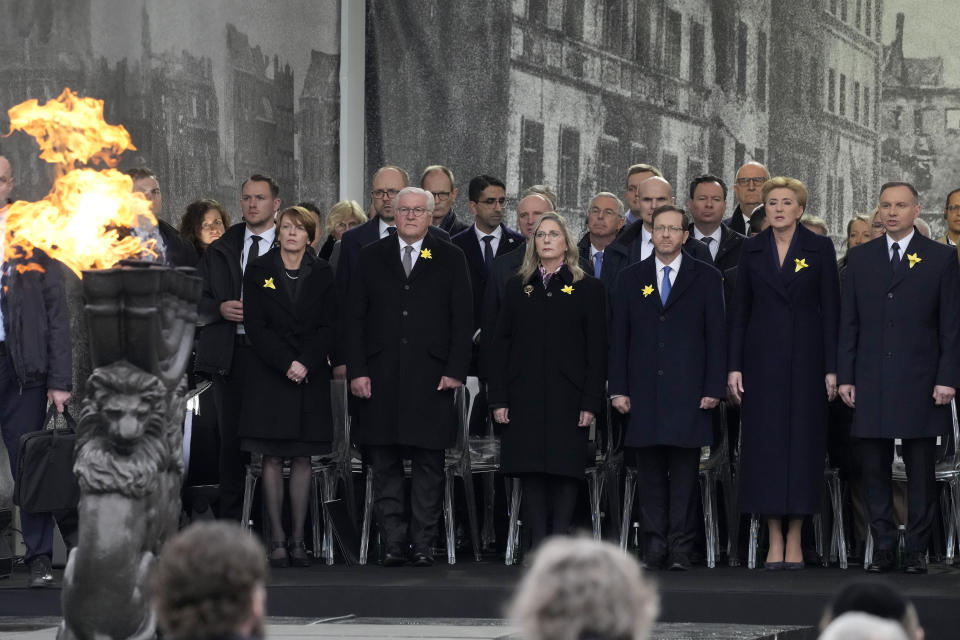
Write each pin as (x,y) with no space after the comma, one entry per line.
(289,306)
(548,366)
(787,301)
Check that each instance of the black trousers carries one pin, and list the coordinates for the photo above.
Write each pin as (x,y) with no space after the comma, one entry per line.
(426,485)
(543,495)
(666,490)
(228,396)
(919,456)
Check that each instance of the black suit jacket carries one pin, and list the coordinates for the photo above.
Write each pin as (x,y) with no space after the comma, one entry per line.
(900,336)
(451,224)
(737,221)
(404,334)
(667,357)
(626,250)
(179,252)
(470,245)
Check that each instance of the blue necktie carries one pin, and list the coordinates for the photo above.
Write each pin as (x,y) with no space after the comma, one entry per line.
(488,251)
(665,287)
(597,263)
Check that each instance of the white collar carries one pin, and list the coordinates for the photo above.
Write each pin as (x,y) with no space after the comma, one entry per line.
(496,233)
(903,242)
(267,235)
(716,235)
(383,227)
(416,245)
(645,236)
(674,266)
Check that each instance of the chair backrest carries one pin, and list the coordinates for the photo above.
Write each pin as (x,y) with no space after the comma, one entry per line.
(946,455)
(339,394)
(714,454)
(461,400)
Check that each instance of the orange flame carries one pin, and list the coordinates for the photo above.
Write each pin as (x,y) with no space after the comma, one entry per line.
(85,219)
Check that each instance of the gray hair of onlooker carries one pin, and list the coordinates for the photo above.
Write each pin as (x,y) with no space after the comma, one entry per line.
(579,588)
(810,220)
(430,202)
(607,194)
(922,227)
(541,190)
(863,626)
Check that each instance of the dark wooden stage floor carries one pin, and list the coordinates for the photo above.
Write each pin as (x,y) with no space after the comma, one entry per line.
(480,590)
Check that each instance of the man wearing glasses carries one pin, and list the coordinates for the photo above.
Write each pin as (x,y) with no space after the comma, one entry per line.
(604,220)
(951,213)
(438,180)
(748,187)
(408,325)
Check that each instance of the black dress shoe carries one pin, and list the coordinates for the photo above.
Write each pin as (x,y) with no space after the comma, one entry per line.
(679,562)
(421,559)
(392,559)
(883,561)
(916,562)
(655,561)
(41,572)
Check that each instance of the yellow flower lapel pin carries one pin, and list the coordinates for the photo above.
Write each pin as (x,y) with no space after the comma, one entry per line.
(268,284)
(800,264)
(647,290)
(425,254)
(567,290)
(914,259)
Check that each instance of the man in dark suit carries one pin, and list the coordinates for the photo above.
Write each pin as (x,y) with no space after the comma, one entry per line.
(604,221)
(668,358)
(438,180)
(408,327)
(635,243)
(484,240)
(899,366)
(636,175)
(748,187)
(171,248)
(708,201)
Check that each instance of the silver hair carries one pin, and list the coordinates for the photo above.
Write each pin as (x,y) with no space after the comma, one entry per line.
(862,626)
(922,227)
(607,194)
(431,203)
(578,587)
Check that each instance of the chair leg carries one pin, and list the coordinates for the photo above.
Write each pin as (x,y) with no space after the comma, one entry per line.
(329,493)
(448,516)
(594,492)
(629,482)
(472,515)
(249,486)
(706,479)
(513,529)
(818,537)
(728,485)
(836,494)
(612,473)
(319,544)
(367,515)
(754,541)
(488,536)
(868,549)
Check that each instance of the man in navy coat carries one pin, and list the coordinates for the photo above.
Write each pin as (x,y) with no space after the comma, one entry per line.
(668,371)
(899,366)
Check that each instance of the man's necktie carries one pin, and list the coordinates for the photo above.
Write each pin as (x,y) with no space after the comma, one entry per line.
(488,251)
(407,260)
(708,240)
(665,287)
(895,260)
(254,251)
(391,231)
(597,263)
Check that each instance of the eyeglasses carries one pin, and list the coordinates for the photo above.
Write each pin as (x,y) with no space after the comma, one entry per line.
(757,181)
(440,195)
(417,211)
(953,208)
(380,194)
(492,201)
(553,235)
(211,226)
(596,211)
(667,229)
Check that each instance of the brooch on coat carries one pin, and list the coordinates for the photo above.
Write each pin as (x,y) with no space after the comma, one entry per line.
(425,254)
(567,290)
(800,264)
(647,290)
(914,259)
(528,290)
(268,284)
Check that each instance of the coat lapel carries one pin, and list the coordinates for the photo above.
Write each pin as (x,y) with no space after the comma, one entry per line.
(904,266)
(423,262)
(507,242)
(804,250)
(390,254)
(685,277)
(646,276)
(768,259)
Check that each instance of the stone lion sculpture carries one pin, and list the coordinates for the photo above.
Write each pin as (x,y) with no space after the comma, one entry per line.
(129,466)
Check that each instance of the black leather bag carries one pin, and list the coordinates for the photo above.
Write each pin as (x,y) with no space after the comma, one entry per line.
(45,480)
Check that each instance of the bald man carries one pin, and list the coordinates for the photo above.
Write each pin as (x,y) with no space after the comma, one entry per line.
(748,187)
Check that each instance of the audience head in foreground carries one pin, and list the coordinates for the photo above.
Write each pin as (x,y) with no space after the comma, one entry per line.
(210,582)
(862,626)
(876,599)
(580,588)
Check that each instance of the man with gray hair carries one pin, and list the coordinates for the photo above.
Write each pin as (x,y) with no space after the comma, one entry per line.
(863,626)
(580,588)
(748,188)
(604,221)
(408,323)
(438,180)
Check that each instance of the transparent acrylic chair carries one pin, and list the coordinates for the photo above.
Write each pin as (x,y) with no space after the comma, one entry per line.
(467,457)
(715,469)
(947,471)
(326,470)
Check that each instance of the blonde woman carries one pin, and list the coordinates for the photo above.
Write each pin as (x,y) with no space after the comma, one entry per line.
(343,216)
(548,367)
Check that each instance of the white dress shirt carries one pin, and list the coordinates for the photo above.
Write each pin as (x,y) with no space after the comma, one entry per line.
(714,245)
(413,254)
(494,244)
(904,243)
(384,228)
(674,267)
(646,243)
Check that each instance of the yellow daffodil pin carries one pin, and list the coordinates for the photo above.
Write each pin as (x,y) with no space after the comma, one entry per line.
(647,290)
(268,284)
(425,254)
(914,259)
(800,264)
(567,290)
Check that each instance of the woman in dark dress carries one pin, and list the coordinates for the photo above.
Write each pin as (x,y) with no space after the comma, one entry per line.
(783,350)
(548,367)
(289,306)
(203,222)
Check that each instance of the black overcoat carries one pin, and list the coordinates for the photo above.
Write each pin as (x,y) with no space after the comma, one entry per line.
(405,334)
(666,358)
(900,336)
(548,363)
(783,335)
(283,331)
